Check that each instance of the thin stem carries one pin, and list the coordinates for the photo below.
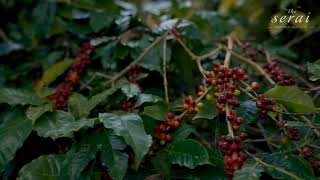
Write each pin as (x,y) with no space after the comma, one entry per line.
(197,100)
(265,135)
(273,167)
(229,52)
(268,56)
(255,65)
(136,61)
(309,123)
(191,54)
(226,64)
(164,69)
(230,131)
(142,55)
(300,38)
(211,53)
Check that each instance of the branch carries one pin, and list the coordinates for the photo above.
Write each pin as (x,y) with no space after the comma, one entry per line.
(268,56)
(142,55)
(191,54)
(273,167)
(309,123)
(226,64)
(211,53)
(229,52)
(255,65)
(198,59)
(164,69)
(197,100)
(300,38)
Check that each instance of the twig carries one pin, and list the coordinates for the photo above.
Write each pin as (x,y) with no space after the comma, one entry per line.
(164,69)
(211,53)
(191,54)
(133,63)
(300,38)
(255,65)
(202,71)
(196,101)
(141,56)
(289,63)
(268,56)
(272,166)
(86,84)
(264,135)
(226,64)
(230,131)
(229,52)
(202,140)
(309,123)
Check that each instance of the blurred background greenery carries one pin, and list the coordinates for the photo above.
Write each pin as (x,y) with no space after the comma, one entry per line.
(23,21)
(51,29)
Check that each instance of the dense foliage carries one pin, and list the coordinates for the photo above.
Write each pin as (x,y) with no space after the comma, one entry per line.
(93,89)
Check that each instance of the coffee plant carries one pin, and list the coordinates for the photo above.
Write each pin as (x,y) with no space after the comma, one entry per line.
(153,90)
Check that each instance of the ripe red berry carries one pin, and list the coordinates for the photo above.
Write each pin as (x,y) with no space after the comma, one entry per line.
(255,85)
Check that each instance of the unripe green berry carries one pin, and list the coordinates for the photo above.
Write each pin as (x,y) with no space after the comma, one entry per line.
(162,142)
(237,92)
(209,97)
(249,89)
(199,105)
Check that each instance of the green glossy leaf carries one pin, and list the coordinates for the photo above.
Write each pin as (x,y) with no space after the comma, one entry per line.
(60,124)
(8,47)
(294,166)
(35,112)
(153,60)
(98,98)
(53,72)
(83,152)
(182,132)
(78,105)
(43,16)
(248,110)
(18,96)
(249,171)
(82,107)
(119,169)
(14,130)
(45,167)
(73,163)
(130,90)
(296,124)
(293,98)
(147,98)
(157,111)
(161,163)
(207,111)
(188,153)
(314,71)
(98,21)
(130,127)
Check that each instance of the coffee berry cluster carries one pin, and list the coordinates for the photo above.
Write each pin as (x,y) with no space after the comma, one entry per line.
(249,51)
(307,153)
(190,105)
(133,74)
(127,105)
(277,74)
(224,82)
(292,133)
(163,130)
(72,80)
(265,104)
(233,159)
